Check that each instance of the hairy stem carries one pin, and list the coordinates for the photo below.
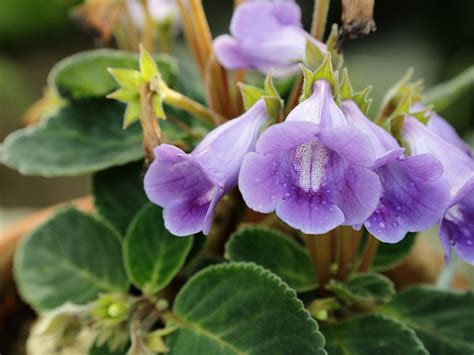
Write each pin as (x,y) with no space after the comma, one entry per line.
(369,252)
(345,252)
(148,121)
(148,30)
(320,14)
(319,247)
(181,101)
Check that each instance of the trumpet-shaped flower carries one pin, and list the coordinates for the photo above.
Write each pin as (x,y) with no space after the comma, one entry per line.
(265,35)
(443,129)
(312,169)
(414,194)
(457,225)
(188,186)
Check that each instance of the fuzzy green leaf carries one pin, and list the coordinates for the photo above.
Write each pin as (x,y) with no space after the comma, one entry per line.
(367,289)
(70,258)
(153,255)
(82,138)
(241,308)
(118,194)
(371,334)
(250,94)
(443,320)
(275,252)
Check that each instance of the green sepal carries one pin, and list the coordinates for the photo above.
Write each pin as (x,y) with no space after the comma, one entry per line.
(158,106)
(314,56)
(274,106)
(326,72)
(269,86)
(424,115)
(124,94)
(362,99)
(308,80)
(345,89)
(132,114)
(148,67)
(126,78)
(331,45)
(250,94)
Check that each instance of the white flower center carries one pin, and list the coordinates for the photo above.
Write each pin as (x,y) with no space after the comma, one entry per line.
(312,158)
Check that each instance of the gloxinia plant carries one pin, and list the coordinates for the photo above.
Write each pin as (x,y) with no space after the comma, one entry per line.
(238,218)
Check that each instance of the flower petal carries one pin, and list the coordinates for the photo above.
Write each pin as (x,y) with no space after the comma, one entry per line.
(458,166)
(184,218)
(386,148)
(350,143)
(414,198)
(230,54)
(355,190)
(261,19)
(319,108)
(264,181)
(307,213)
(457,229)
(286,135)
(175,176)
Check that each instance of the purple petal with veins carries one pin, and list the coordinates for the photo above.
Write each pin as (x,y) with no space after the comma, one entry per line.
(456,227)
(313,183)
(189,186)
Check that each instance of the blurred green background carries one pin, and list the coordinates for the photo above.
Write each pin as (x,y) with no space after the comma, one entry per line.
(435,37)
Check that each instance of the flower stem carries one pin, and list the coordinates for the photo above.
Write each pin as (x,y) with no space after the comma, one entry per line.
(148,30)
(369,252)
(319,247)
(148,121)
(320,14)
(345,252)
(181,101)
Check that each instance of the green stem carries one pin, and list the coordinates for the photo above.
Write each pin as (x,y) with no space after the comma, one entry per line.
(178,100)
(320,14)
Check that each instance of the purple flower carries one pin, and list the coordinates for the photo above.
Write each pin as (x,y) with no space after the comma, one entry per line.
(312,169)
(188,186)
(414,195)
(265,35)
(457,226)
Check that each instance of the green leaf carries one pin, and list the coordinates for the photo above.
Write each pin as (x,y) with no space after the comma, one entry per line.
(85,75)
(371,334)
(275,252)
(82,138)
(443,320)
(241,308)
(153,256)
(368,289)
(118,194)
(390,255)
(70,258)
(444,94)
